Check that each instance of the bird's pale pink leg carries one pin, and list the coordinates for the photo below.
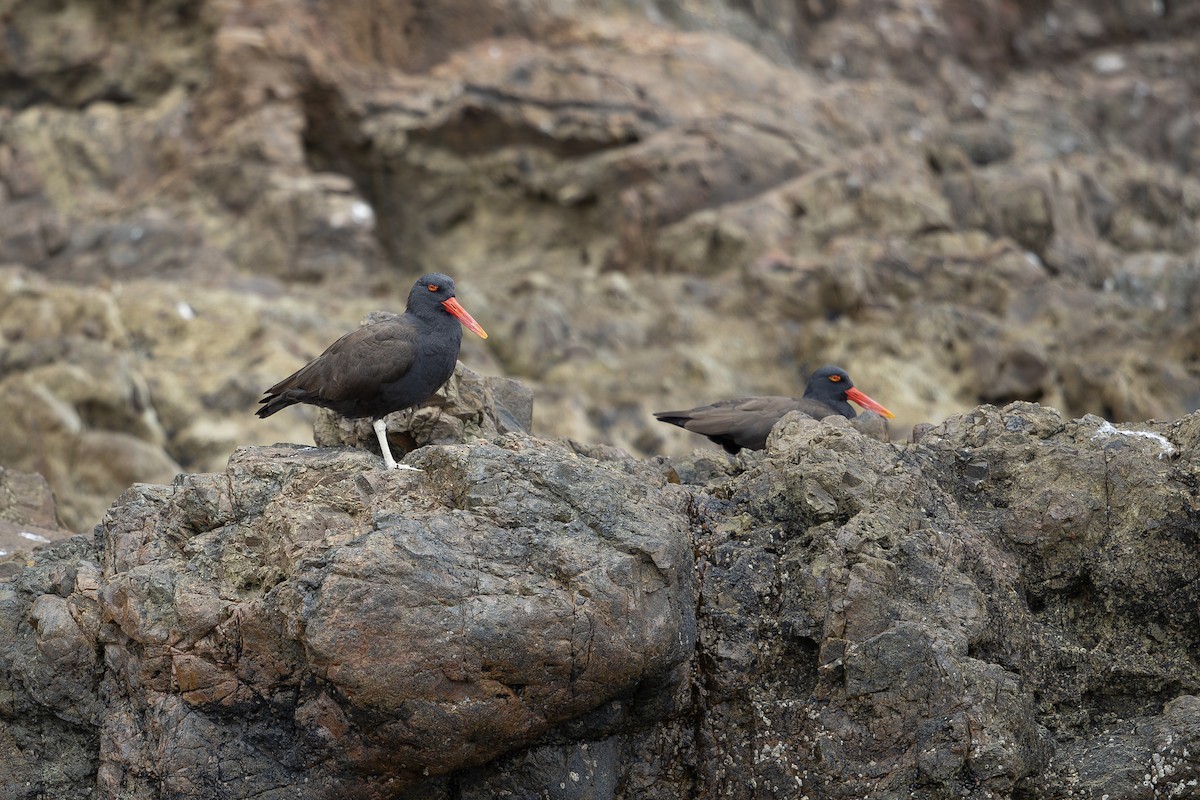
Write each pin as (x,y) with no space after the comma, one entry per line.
(388,462)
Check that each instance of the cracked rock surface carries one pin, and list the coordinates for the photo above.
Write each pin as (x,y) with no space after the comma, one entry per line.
(1005,608)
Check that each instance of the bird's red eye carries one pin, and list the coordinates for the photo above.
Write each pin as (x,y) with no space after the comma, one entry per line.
(433,287)
(835,378)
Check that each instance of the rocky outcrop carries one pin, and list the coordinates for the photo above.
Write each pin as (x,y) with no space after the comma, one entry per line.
(651,205)
(309,620)
(648,205)
(953,618)
(1005,608)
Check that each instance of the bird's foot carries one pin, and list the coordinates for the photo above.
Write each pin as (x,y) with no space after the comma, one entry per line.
(388,461)
(391,463)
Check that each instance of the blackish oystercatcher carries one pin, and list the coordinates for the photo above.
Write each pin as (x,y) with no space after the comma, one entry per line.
(385,366)
(745,422)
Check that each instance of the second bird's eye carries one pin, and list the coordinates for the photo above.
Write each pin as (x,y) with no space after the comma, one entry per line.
(433,287)
(835,378)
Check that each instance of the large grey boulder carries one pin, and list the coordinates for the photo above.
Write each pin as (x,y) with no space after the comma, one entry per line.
(311,623)
(975,615)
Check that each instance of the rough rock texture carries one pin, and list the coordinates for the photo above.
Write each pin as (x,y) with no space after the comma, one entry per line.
(309,620)
(974,615)
(647,204)
(1006,608)
(28,517)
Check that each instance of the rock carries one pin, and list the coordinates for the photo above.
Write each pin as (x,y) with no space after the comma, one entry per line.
(393,624)
(150,244)
(1006,604)
(102,60)
(28,517)
(645,204)
(978,143)
(772,188)
(33,231)
(1011,371)
(813,593)
(50,670)
(1134,750)
(81,412)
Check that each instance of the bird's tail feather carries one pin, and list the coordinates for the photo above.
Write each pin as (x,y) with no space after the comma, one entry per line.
(273,403)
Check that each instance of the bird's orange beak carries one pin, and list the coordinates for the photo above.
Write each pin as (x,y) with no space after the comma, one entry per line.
(466,319)
(868,403)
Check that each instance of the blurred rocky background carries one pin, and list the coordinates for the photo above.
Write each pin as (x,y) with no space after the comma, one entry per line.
(647,204)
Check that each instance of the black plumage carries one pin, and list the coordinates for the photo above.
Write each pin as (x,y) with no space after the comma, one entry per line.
(746,422)
(385,366)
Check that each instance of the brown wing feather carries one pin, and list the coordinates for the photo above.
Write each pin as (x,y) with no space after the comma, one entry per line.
(743,422)
(356,364)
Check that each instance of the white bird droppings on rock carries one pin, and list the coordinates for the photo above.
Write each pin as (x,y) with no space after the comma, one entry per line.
(1108,429)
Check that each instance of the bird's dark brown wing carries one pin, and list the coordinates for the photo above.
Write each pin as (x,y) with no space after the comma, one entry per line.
(743,422)
(357,364)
